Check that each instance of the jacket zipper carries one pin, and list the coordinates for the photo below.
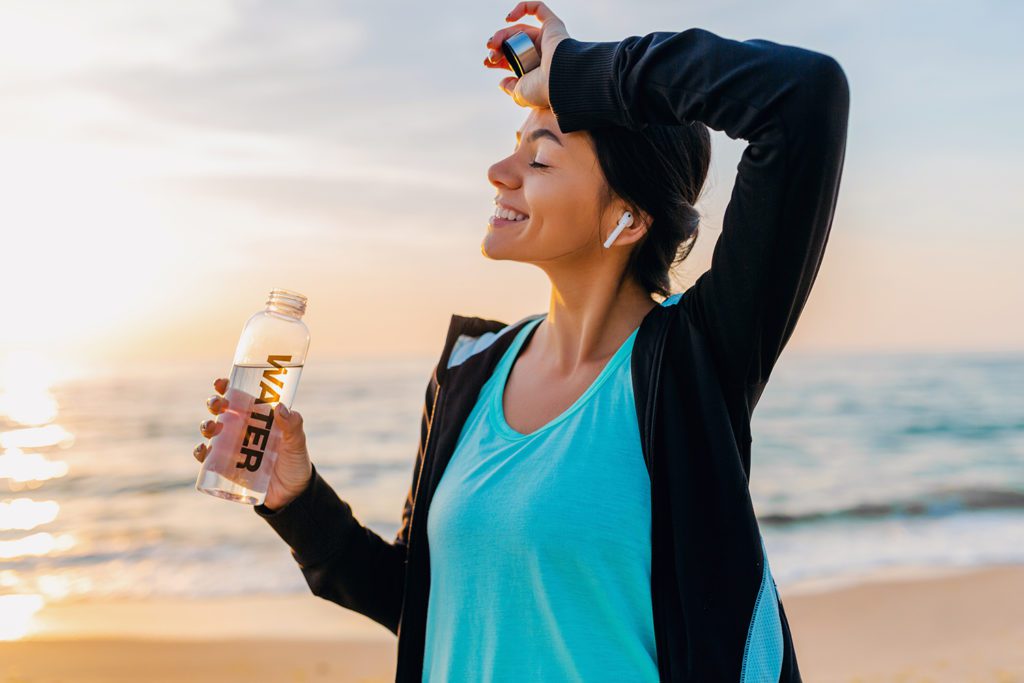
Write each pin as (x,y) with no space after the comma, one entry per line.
(423,465)
(409,578)
(426,452)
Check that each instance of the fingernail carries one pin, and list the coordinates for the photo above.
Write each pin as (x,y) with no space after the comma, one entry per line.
(283,410)
(490,55)
(197,449)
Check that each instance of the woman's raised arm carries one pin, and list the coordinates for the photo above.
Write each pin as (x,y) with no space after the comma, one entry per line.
(792,105)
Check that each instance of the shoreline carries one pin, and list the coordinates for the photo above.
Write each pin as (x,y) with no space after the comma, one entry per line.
(955,624)
(876,575)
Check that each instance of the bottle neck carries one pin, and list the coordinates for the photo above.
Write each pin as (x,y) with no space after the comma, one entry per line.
(286,302)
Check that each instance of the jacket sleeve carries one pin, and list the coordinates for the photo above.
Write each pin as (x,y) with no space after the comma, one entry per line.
(791,105)
(342,560)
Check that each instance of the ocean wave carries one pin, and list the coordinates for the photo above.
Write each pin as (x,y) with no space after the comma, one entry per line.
(936,503)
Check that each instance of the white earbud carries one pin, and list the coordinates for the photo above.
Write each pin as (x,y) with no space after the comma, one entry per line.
(624,222)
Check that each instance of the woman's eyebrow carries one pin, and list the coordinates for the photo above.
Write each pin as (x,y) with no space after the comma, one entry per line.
(540,133)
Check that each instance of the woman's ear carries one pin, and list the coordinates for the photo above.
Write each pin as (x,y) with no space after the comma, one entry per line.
(641,221)
(636,229)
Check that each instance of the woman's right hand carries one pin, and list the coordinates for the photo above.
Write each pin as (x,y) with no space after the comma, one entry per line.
(292,469)
(531,90)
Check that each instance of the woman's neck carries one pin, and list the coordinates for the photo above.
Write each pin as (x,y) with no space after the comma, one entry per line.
(587,324)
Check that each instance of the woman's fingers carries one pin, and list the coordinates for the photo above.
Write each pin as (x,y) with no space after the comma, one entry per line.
(502,33)
(495,58)
(537,9)
(509,86)
(210,428)
(531,89)
(216,404)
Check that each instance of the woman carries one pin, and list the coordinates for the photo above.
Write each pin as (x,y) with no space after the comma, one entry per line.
(586,469)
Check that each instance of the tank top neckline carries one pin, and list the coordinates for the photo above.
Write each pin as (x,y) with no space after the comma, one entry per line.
(497,408)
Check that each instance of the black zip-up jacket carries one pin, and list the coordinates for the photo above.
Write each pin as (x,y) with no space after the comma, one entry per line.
(699,365)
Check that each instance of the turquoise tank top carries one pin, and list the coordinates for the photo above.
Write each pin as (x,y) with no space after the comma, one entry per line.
(540,547)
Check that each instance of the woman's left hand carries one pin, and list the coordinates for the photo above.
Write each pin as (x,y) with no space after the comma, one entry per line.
(531,89)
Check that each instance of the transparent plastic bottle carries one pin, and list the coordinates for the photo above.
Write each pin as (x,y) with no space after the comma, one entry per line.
(267,366)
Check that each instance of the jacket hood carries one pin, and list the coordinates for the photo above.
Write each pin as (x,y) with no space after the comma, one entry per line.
(468,336)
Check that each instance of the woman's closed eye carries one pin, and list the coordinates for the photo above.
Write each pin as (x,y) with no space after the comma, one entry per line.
(536,164)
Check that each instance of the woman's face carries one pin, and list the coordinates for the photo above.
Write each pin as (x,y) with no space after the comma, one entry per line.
(561,198)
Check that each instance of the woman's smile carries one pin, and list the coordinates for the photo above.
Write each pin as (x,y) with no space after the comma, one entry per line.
(498,222)
(504,216)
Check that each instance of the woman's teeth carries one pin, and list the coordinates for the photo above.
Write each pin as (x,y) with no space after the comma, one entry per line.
(509,215)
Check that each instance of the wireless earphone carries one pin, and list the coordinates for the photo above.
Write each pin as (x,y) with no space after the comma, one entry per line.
(624,222)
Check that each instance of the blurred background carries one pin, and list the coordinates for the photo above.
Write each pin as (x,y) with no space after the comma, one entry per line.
(164,165)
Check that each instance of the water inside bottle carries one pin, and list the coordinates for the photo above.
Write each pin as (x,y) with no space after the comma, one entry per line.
(242,455)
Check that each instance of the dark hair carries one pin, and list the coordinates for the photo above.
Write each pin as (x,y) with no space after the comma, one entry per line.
(660,170)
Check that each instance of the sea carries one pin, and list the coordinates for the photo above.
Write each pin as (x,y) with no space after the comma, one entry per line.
(863,465)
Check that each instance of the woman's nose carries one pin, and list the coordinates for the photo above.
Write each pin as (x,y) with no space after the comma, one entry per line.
(503,173)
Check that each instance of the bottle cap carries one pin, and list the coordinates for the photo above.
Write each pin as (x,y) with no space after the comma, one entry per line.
(520,52)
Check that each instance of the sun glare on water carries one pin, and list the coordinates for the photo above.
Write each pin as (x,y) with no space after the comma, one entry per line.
(28,434)
(25,382)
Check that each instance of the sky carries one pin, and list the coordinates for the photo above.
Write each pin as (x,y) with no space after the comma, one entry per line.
(163,165)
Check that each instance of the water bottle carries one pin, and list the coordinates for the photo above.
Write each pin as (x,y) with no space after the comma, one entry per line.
(266,370)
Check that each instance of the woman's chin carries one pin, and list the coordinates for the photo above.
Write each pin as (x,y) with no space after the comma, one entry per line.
(503,239)
(490,249)
(497,247)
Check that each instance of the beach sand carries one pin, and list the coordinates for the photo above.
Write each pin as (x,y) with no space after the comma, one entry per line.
(959,627)
(963,627)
